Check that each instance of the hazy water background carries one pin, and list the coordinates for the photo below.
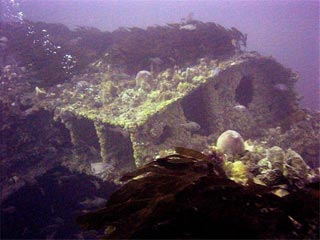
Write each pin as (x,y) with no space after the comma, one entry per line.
(285,29)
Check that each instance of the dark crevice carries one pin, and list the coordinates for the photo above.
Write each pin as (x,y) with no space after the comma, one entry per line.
(244,91)
(166,133)
(195,110)
(86,133)
(119,148)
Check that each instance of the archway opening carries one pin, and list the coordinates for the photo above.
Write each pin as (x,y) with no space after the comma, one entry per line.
(244,91)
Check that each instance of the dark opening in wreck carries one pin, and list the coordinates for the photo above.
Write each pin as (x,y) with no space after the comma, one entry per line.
(118,149)
(195,110)
(244,91)
(166,133)
(85,134)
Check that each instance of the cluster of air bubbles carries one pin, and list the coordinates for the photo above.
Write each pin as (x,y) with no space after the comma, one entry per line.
(40,38)
(68,63)
(30,31)
(44,40)
(10,11)
(48,46)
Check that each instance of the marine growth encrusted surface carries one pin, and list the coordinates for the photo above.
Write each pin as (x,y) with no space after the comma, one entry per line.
(126,119)
(150,120)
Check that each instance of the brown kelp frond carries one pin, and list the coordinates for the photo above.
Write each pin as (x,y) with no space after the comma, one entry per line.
(191,153)
(176,164)
(181,196)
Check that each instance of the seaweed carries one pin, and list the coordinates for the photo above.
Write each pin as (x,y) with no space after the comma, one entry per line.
(57,53)
(178,196)
(135,47)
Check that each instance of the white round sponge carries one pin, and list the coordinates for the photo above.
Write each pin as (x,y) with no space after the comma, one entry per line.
(230,142)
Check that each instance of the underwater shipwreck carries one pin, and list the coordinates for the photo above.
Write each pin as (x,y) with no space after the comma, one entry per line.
(184,107)
(160,98)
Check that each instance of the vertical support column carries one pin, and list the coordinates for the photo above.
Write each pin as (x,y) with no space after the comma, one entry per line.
(101,133)
(74,139)
(115,149)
